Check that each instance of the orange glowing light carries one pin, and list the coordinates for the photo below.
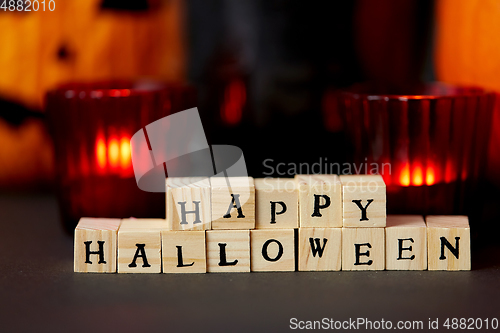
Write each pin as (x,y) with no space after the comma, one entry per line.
(119,92)
(125,157)
(417,177)
(430,176)
(101,153)
(404,176)
(113,152)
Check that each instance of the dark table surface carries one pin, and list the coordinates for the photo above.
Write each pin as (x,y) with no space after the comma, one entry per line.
(39,291)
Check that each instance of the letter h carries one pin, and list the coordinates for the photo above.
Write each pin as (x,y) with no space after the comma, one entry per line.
(196,211)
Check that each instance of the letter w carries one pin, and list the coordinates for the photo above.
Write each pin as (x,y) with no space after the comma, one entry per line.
(317,248)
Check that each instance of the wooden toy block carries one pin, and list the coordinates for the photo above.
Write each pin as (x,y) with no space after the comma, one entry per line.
(95,245)
(320,249)
(363,249)
(233,203)
(405,243)
(188,203)
(364,201)
(448,243)
(139,245)
(276,203)
(228,251)
(320,201)
(272,250)
(184,252)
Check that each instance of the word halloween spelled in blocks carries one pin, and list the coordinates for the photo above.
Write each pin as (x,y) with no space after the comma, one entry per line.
(276,203)
(236,224)
(448,243)
(233,203)
(95,245)
(188,204)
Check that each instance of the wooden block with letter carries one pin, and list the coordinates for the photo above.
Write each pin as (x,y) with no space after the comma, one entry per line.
(139,245)
(184,252)
(228,251)
(448,242)
(233,203)
(364,201)
(272,250)
(320,249)
(188,203)
(320,201)
(95,245)
(363,249)
(405,243)
(276,203)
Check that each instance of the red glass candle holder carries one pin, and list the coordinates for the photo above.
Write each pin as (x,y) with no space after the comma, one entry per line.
(429,144)
(91,125)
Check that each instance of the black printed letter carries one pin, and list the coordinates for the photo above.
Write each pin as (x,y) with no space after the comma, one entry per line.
(273,210)
(318,248)
(100,252)
(363,209)
(196,211)
(359,254)
(317,206)
(140,249)
(401,249)
(266,245)
(180,262)
(235,203)
(222,254)
(454,251)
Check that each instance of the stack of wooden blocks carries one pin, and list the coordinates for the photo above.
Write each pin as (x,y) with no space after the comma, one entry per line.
(310,223)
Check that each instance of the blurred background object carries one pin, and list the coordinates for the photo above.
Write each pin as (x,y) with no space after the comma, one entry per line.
(266,72)
(428,144)
(467,52)
(80,41)
(91,126)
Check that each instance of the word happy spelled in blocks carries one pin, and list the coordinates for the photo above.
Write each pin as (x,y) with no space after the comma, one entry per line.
(139,245)
(363,201)
(233,203)
(405,243)
(277,203)
(341,221)
(188,203)
(95,245)
(448,243)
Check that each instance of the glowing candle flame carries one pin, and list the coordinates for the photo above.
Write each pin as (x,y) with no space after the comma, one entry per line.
(125,157)
(101,152)
(417,176)
(113,152)
(430,176)
(404,177)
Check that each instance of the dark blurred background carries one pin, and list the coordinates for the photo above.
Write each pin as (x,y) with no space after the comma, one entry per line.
(265,71)
(262,69)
